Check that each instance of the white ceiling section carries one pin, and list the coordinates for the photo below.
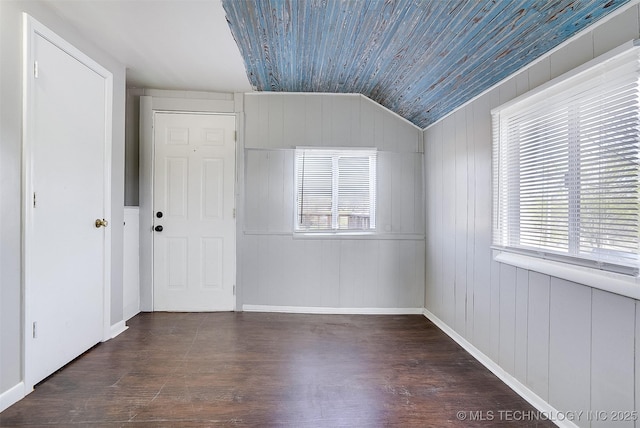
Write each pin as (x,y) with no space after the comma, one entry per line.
(165,44)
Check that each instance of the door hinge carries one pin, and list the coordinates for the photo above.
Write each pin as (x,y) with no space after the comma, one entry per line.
(35,69)
(234,213)
(33,330)
(234,289)
(34,199)
(235,135)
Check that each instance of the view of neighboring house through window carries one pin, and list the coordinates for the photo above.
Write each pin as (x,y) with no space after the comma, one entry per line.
(335,190)
(566,168)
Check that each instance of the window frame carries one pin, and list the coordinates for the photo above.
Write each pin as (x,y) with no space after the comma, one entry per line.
(530,255)
(335,153)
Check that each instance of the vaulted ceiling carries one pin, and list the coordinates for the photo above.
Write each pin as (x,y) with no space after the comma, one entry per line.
(419,58)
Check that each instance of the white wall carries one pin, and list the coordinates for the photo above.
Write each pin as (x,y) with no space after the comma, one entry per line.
(11,315)
(276,269)
(131,263)
(574,346)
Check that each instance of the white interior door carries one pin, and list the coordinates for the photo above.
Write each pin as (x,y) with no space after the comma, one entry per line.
(194,212)
(67,146)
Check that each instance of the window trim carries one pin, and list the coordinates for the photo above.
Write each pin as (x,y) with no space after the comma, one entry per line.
(337,232)
(613,282)
(618,280)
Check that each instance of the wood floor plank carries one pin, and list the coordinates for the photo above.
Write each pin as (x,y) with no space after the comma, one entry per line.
(280,370)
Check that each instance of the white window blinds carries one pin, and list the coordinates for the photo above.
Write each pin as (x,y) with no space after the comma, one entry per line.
(566,164)
(335,189)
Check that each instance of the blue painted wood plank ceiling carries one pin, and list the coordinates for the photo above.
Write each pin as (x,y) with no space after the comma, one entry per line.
(419,58)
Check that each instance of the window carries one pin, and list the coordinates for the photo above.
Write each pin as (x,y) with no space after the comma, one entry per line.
(335,190)
(566,166)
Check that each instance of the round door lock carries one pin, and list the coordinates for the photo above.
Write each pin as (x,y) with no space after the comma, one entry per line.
(100,222)
(158,228)
(159,214)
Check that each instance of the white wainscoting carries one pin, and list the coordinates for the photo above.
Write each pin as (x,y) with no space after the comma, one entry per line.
(131,263)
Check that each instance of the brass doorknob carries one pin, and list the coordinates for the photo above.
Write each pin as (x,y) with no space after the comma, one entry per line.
(100,222)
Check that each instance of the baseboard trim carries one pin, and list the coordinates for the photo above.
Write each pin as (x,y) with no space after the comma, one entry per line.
(554,415)
(331,311)
(118,328)
(11,396)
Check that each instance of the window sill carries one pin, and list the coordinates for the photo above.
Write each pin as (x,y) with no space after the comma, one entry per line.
(358,235)
(343,236)
(624,285)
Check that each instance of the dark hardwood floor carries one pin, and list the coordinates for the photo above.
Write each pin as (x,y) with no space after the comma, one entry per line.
(284,370)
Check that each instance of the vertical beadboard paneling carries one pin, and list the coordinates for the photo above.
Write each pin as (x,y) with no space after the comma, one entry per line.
(438,233)
(508,90)
(379,128)
(522,82)
(390,132)
(612,356)
(314,133)
(275,126)
(396,193)
(494,311)
(355,109)
(471,220)
(418,193)
(409,196)
(340,112)
(288,188)
(508,281)
(505,92)
(263,265)
(292,270)
(433,143)
(571,56)
(448,220)
(294,115)
(367,122)
(460,220)
(482,249)
(251,215)
(411,263)
(252,109)
(274,286)
(330,274)
(616,31)
(274,211)
(384,219)
(539,73)
(358,278)
(538,334)
(521,339)
(417,288)
(250,267)
(569,346)
(261,122)
(389,271)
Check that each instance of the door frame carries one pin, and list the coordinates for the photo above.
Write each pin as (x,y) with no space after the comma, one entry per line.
(235,185)
(32,29)
(163,101)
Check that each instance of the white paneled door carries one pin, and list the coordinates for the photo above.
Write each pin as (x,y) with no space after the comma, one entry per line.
(194,262)
(67,149)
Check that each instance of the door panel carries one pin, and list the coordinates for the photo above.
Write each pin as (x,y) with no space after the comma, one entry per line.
(212,189)
(65,191)
(194,182)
